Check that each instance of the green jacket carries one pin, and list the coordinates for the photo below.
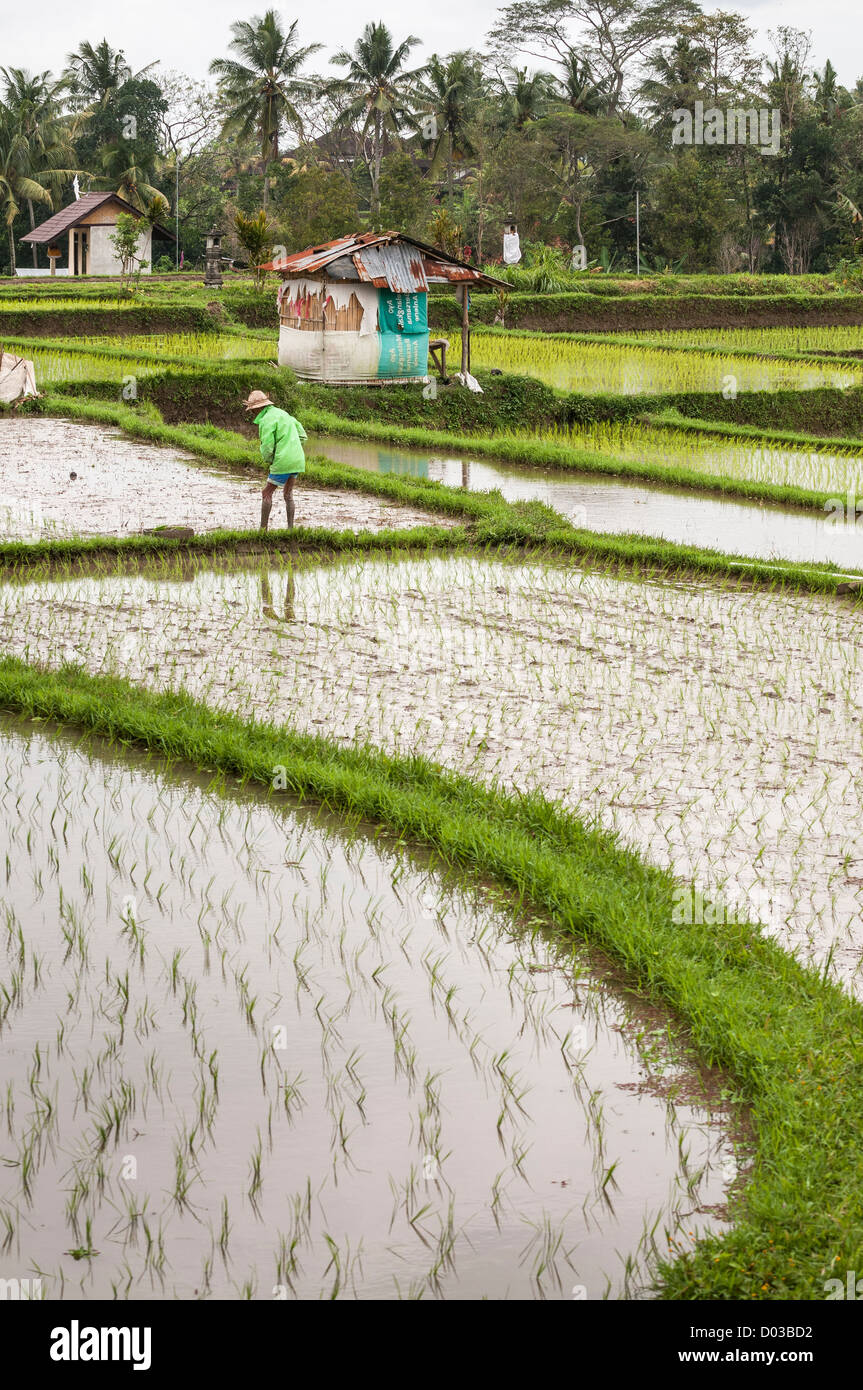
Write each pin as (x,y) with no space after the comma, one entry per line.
(281,440)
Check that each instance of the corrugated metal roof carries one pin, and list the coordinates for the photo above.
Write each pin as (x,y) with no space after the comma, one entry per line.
(386,259)
(72,215)
(394,266)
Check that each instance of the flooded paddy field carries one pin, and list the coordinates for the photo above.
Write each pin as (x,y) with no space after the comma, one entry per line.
(617,369)
(250,1052)
(822,470)
(605,504)
(716,729)
(122,486)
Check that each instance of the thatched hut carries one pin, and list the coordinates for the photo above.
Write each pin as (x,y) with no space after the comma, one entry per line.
(355,310)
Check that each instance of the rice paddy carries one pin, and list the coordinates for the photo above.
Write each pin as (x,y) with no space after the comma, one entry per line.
(608,368)
(252,1054)
(602,504)
(807,338)
(255,1051)
(210,347)
(715,729)
(826,469)
(59,478)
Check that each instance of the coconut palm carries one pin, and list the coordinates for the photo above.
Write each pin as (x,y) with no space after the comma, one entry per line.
(36,151)
(261,85)
(94,75)
(525,98)
(580,88)
(452,88)
(678,78)
(379,92)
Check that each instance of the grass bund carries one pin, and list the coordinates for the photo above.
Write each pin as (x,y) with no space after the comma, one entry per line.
(789,1039)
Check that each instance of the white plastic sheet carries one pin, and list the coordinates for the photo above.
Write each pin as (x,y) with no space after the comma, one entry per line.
(339,293)
(17,378)
(511,249)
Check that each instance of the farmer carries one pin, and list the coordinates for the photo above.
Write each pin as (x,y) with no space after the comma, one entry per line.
(281,448)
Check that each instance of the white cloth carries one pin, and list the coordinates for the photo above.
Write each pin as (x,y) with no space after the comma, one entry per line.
(511,249)
(17,378)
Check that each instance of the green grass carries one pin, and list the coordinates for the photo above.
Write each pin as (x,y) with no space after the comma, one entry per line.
(790,1042)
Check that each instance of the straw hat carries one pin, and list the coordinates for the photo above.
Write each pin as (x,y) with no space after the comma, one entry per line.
(257,400)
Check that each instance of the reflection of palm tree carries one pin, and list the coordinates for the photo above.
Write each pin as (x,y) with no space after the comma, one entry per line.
(267,598)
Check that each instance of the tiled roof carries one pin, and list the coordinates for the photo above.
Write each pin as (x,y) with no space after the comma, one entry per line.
(73,214)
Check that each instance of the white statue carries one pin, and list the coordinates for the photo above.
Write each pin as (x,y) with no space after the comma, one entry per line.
(77,187)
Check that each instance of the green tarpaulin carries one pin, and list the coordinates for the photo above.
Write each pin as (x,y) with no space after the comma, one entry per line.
(404,332)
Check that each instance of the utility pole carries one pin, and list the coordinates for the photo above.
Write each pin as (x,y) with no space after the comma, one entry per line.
(637,234)
(177,210)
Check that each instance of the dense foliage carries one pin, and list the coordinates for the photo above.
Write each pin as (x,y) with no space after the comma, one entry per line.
(573,110)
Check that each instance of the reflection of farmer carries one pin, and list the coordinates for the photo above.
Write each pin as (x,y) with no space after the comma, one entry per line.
(267,598)
(281,449)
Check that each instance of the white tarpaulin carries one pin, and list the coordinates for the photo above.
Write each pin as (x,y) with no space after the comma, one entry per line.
(339,294)
(17,378)
(511,249)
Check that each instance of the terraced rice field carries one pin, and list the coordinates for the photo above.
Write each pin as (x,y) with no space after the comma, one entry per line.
(718,730)
(213,347)
(822,470)
(122,486)
(790,338)
(252,1054)
(613,369)
(604,504)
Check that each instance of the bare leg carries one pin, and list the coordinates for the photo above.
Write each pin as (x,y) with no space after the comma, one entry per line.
(289,500)
(266,504)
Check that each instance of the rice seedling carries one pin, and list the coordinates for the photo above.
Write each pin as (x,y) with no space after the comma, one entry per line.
(570,363)
(169,1138)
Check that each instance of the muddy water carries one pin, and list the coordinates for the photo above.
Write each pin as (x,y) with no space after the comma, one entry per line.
(604,504)
(122,486)
(288,1060)
(717,730)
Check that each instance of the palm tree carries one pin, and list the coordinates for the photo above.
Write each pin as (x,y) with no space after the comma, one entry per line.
(261,84)
(452,89)
(95,75)
(580,88)
(36,147)
(679,79)
(131,179)
(16,185)
(525,98)
(378,91)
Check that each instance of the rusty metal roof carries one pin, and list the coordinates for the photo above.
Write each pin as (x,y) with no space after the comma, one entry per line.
(392,265)
(388,260)
(73,214)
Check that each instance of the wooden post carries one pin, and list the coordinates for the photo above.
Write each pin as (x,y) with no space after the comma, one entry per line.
(465,331)
(324,326)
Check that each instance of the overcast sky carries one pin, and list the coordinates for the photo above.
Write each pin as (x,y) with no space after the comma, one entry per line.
(186,35)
